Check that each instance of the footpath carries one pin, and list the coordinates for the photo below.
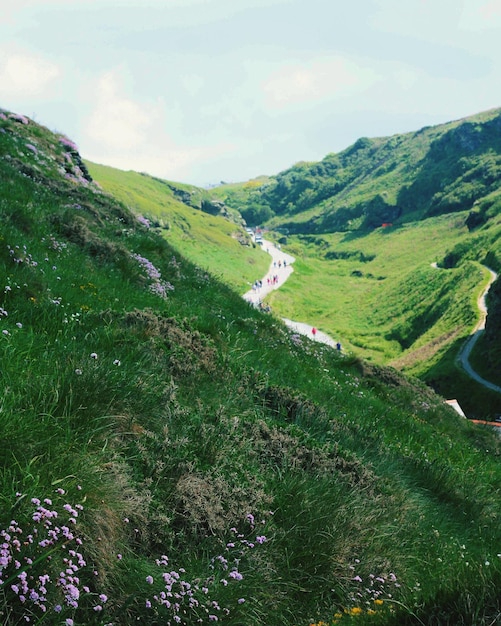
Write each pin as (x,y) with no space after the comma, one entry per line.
(464,354)
(280,270)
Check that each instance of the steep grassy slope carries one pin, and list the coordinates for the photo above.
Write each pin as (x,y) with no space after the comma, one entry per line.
(169,454)
(214,242)
(433,171)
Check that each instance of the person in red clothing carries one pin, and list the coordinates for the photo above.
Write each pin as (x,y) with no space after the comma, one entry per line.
(313,332)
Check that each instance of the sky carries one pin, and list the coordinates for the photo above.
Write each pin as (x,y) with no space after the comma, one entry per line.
(205,91)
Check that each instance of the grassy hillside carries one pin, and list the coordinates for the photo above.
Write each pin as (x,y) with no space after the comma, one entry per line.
(433,171)
(376,291)
(171,455)
(216,243)
(366,224)
(379,295)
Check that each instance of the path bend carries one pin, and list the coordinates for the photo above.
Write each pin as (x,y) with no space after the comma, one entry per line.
(464,354)
(282,273)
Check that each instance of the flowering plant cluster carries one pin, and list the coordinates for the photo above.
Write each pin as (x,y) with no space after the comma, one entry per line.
(17,117)
(179,601)
(157,286)
(32,147)
(369,596)
(143,220)
(68,144)
(375,588)
(21,255)
(42,567)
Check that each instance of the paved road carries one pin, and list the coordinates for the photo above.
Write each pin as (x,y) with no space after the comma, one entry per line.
(464,354)
(282,273)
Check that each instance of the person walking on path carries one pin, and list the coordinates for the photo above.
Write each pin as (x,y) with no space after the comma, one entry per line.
(272,280)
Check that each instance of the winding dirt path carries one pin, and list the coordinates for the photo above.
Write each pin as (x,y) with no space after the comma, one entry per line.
(279,271)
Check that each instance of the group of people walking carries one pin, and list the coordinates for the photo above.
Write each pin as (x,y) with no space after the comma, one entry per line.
(273,279)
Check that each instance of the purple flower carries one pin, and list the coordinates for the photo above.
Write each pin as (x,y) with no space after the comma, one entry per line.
(143,220)
(18,118)
(67,143)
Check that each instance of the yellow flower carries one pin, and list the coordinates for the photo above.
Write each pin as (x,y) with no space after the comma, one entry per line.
(356,610)
(379,602)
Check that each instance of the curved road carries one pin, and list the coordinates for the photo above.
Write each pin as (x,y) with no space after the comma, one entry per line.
(464,354)
(281,273)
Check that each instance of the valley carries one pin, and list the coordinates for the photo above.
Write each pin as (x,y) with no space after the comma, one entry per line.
(171,454)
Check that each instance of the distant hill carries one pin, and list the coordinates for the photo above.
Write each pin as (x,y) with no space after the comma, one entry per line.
(433,171)
(368,222)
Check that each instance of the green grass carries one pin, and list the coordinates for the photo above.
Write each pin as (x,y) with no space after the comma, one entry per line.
(168,420)
(362,288)
(212,242)
(379,295)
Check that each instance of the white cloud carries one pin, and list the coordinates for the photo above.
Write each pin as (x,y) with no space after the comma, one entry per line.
(26,75)
(118,123)
(315,81)
(130,135)
(478,16)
